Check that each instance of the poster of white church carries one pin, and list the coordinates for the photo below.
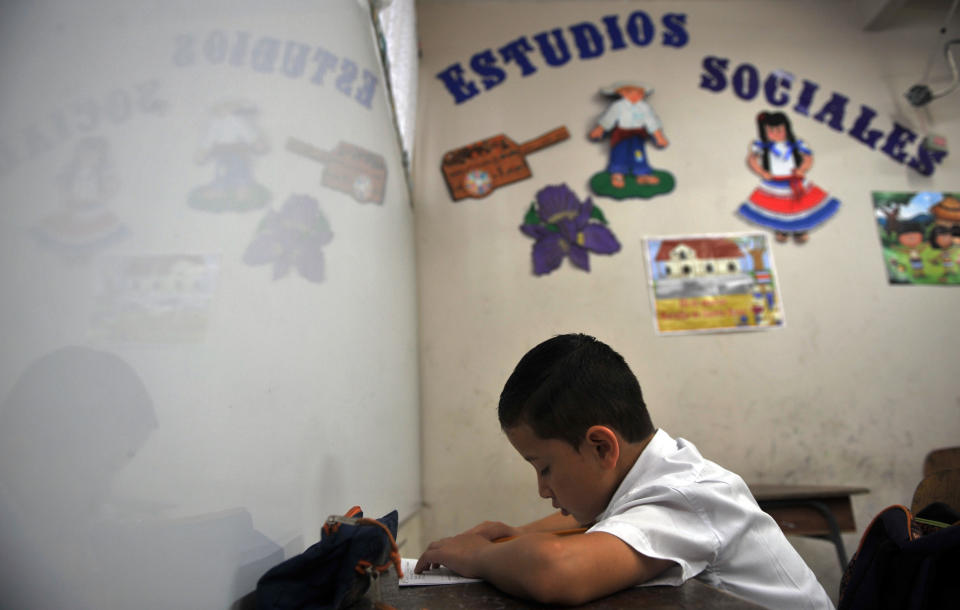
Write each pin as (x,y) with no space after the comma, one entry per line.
(713,283)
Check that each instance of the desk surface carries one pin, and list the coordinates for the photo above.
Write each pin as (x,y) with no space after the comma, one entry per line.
(479,595)
(821,511)
(763,492)
(802,509)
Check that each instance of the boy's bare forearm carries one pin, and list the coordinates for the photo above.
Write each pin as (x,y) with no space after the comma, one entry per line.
(563,571)
(521,567)
(547,568)
(530,567)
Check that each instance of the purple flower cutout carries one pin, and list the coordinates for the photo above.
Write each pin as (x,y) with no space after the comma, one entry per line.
(566,227)
(292,237)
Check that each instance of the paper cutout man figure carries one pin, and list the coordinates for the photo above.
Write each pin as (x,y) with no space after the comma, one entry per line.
(631,121)
(231,140)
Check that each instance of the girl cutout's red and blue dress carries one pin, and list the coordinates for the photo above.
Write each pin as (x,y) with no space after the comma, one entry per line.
(787,203)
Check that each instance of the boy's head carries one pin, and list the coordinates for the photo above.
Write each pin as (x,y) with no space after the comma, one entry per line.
(569,408)
(910,234)
(569,383)
(941,237)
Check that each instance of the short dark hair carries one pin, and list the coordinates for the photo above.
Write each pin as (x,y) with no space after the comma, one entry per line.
(937,231)
(571,382)
(909,226)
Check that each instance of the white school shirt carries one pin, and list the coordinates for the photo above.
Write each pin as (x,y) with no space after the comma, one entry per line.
(630,115)
(675,505)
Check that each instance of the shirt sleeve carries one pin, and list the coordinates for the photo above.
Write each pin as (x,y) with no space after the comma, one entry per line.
(609,119)
(669,528)
(652,121)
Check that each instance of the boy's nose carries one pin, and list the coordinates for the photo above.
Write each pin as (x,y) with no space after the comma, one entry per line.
(543,489)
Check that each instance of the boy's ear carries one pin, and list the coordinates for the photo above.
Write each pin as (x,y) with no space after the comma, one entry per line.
(602,442)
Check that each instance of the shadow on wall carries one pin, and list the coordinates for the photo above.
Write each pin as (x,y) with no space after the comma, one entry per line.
(71,423)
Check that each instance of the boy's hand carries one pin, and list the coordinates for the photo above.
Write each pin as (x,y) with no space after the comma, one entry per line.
(491,530)
(457,553)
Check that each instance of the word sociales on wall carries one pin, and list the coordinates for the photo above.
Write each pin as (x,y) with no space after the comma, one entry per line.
(590,41)
(777,87)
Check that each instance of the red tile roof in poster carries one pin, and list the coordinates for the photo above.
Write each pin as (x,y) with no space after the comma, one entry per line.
(716,247)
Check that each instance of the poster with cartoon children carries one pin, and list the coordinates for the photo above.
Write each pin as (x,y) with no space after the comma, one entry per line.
(920,236)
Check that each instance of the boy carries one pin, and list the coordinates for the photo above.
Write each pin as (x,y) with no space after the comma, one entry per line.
(657,512)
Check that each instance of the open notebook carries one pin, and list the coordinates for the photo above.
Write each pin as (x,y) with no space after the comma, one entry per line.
(438,576)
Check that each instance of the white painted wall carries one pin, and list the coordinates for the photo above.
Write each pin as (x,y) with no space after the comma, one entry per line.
(170,431)
(855,390)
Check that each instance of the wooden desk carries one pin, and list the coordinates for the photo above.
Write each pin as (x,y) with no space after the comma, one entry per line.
(691,595)
(810,510)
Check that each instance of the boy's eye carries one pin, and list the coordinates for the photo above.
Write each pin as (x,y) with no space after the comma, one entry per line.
(544,471)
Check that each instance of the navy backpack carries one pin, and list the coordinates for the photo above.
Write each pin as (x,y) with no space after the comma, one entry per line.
(336,572)
(906,562)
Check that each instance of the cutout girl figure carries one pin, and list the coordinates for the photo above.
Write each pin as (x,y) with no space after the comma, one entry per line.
(84,224)
(785,201)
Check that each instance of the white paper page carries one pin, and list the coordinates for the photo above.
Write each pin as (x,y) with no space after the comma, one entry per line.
(438,576)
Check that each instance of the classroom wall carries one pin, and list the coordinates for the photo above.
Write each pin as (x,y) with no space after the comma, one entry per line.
(856,387)
(208,341)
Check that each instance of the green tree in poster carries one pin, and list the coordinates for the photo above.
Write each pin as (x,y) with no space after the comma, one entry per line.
(889,204)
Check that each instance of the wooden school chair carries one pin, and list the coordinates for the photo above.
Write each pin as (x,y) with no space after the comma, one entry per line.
(941,486)
(941,459)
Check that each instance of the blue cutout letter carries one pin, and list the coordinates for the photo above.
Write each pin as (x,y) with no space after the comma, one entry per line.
(676,32)
(516,51)
(589,40)
(746,90)
(461,89)
(484,63)
(715,78)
